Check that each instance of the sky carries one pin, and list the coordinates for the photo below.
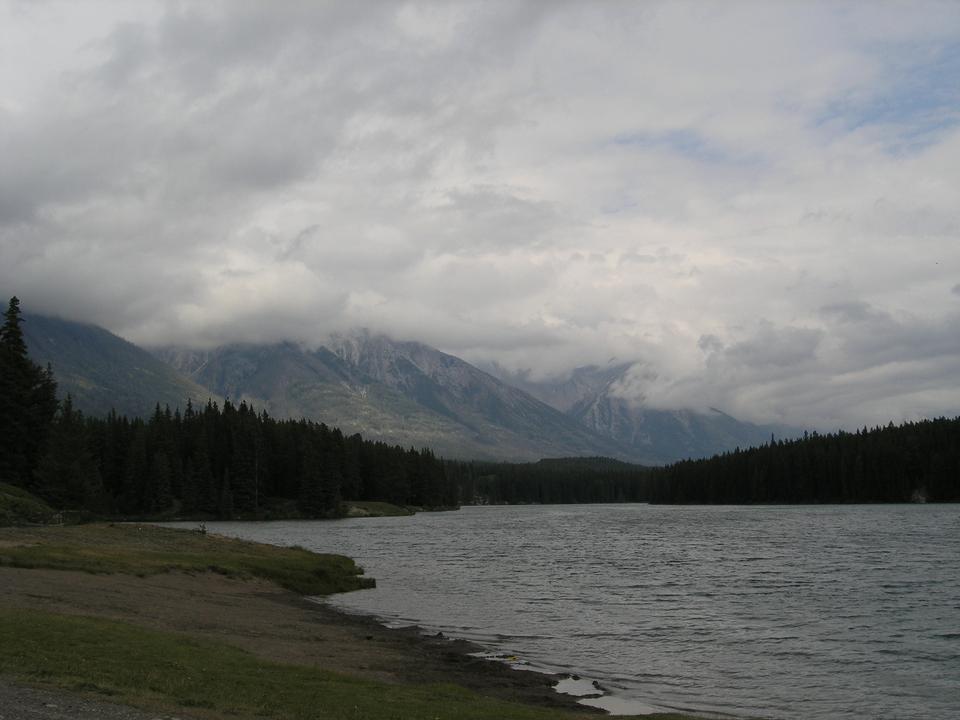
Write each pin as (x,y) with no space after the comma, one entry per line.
(756,202)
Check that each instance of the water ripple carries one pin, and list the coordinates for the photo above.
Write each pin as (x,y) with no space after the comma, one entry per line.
(779,612)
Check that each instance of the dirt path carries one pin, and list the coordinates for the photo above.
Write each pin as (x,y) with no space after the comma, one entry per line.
(273,624)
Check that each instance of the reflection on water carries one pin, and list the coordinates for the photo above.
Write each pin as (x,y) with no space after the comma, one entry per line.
(781,612)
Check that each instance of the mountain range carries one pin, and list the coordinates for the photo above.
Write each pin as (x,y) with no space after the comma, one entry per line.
(403,393)
(594,397)
(103,372)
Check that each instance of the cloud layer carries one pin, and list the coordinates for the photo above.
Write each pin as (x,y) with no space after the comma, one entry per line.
(756,201)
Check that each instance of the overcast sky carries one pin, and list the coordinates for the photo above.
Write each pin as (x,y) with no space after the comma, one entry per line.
(758,201)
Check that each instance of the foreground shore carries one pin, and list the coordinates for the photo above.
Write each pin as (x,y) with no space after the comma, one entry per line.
(174,621)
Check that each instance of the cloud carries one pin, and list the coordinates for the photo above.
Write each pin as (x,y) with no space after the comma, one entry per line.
(756,202)
(860,365)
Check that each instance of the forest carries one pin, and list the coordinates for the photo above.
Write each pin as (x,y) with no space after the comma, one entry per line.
(554,481)
(912,462)
(233,461)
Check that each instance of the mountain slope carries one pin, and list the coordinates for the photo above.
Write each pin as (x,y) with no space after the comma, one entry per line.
(289,381)
(457,390)
(401,392)
(590,396)
(664,436)
(582,384)
(103,372)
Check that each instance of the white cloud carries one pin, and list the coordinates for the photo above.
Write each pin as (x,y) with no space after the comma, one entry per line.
(757,200)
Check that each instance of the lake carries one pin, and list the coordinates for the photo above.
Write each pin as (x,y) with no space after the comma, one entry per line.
(776,612)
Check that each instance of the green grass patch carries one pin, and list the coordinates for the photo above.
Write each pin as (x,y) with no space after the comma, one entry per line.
(19,507)
(148,550)
(167,670)
(374,508)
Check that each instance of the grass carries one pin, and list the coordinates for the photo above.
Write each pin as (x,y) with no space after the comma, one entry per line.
(147,550)
(373,508)
(167,671)
(19,507)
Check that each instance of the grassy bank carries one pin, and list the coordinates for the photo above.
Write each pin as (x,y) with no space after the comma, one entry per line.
(19,507)
(374,508)
(164,670)
(106,641)
(145,550)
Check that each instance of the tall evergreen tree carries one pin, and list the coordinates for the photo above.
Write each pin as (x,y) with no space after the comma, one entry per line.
(158,492)
(68,475)
(28,402)
(133,497)
(225,500)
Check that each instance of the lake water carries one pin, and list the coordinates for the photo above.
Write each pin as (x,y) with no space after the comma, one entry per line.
(776,612)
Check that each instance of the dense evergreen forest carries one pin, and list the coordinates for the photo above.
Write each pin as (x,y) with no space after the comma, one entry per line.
(225,463)
(913,462)
(210,461)
(555,481)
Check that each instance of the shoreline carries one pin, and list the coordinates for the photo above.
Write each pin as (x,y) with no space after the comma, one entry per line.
(462,662)
(587,694)
(230,613)
(353,644)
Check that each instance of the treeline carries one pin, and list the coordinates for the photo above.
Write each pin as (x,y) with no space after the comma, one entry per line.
(554,481)
(218,462)
(226,463)
(913,462)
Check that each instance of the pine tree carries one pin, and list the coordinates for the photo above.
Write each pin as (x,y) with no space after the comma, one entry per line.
(206,489)
(135,468)
(158,494)
(310,497)
(67,475)
(188,496)
(27,402)
(225,505)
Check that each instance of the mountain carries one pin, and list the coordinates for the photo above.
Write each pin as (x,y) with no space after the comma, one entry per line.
(654,436)
(664,436)
(103,372)
(400,392)
(583,383)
